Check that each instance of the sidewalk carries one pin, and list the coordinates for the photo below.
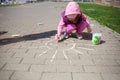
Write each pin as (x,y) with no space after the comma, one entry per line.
(28,50)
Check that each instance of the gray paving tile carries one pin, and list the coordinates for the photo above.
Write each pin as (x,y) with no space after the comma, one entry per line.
(86,76)
(10,60)
(102,69)
(111,76)
(56,76)
(19,75)
(5,75)
(43,68)
(68,68)
(16,67)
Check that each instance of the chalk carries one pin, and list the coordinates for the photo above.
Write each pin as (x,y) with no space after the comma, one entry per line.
(39,24)
(53,56)
(65,55)
(16,35)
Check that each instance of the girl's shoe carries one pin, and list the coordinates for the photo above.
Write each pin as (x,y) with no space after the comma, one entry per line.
(79,36)
(65,36)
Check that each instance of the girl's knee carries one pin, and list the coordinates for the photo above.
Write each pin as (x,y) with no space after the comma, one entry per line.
(70,28)
(82,26)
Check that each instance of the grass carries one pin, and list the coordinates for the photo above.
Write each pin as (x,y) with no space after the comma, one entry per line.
(105,15)
(9,5)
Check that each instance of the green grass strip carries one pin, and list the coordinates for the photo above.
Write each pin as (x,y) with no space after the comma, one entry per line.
(105,15)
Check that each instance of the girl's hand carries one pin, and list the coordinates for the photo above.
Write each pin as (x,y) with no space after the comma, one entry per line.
(57,38)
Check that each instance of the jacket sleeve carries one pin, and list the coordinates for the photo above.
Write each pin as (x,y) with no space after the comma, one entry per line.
(86,19)
(60,27)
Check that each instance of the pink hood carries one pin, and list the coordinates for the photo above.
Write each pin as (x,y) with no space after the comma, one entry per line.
(72,8)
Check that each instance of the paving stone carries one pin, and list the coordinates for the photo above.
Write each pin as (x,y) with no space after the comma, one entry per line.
(85,57)
(19,75)
(43,68)
(60,55)
(98,52)
(10,60)
(2,64)
(110,56)
(113,52)
(108,48)
(23,55)
(105,62)
(6,55)
(47,54)
(118,61)
(3,49)
(111,76)
(86,76)
(56,76)
(22,50)
(68,68)
(102,69)
(82,62)
(5,75)
(58,62)
(96,56)
(16,67)
(73,56)
(33,61)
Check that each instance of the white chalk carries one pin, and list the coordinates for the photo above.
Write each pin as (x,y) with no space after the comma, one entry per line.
(65,55)
(39,24)
(53,56)
(16,35)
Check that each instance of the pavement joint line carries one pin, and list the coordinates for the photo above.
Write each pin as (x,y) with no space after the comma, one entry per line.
(71,76)
(21,60)
(10,78)
(3,66)
(101,76)
(53,57)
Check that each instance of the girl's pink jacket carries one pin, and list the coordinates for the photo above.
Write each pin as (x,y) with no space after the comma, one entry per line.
(71,8)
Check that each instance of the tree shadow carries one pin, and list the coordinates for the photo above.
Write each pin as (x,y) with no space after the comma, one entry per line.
(86,36)
(28,37)
(3,32)
(102,41)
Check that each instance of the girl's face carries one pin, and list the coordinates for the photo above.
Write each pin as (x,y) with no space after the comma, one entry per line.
(72,17)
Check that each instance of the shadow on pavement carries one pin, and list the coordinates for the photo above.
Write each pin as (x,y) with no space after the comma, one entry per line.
(85,35)
(27,37)
(3,32)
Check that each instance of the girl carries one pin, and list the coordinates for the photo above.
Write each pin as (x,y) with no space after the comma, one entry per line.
(72,19)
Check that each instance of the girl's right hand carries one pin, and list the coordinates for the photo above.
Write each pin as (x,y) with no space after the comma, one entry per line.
(57,38)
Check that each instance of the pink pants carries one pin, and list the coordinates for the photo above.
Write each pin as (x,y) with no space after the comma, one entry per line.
(79,27)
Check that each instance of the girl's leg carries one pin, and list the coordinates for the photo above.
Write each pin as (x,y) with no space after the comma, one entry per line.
(70,28)
(81,26)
